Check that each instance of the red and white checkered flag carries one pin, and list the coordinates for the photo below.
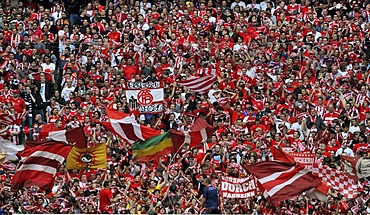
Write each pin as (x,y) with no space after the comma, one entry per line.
(337,179)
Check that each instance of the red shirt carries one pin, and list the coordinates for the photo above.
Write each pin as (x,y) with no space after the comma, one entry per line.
(105,196)
(18,104)
(130,72)
(115,36)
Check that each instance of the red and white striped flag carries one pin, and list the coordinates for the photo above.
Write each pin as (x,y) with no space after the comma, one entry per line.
(39,164)
(200,85)
(126,127)
(199,132)
(282,181)
(74,136)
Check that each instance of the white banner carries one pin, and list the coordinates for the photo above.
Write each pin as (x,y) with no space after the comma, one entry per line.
(240,188)
(145,99)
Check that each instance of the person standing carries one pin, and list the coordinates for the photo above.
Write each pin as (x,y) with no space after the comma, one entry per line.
(105,196)
(210,197)
(106,199)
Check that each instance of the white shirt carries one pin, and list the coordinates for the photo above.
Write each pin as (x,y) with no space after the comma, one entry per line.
(298,127)
(317,35)
(42,91)
(258,6)
(251,72)
(347,151)
(56,15)
(241,4)
(50,66)
(263,5)
(212,98)
(145,4)
(65,92)
(353,129)
(143,26)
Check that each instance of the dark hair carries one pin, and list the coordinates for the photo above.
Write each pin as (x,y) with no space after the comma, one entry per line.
(106,184)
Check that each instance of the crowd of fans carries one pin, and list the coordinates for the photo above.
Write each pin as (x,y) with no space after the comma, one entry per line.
(292,73)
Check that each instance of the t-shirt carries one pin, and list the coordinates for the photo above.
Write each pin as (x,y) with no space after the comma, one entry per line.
(105,196)
(211,195)
(18,104)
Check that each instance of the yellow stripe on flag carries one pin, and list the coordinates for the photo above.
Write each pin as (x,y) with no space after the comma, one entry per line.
(152,149)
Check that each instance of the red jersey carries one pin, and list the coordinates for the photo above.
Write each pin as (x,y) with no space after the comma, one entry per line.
(18,104)
(105,196)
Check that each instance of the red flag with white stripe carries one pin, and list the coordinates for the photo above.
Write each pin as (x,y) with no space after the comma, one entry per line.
(39,164)
(199,132)
(282,181)
(200,85)
(74,136)
(126,127)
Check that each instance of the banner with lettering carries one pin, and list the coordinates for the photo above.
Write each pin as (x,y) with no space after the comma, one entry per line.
(307,159)
(238,187)
(145,97)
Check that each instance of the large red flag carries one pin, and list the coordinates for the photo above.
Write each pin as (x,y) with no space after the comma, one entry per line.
(282,181)
(199,132)
(126,127)
(39,164)
(281,156)
(73,136)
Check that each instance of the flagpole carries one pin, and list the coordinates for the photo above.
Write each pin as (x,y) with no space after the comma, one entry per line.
(182,145)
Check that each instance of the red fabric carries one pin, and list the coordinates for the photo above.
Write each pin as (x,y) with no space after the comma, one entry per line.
(195,135)
(281,156)
(105,195)
(292,181)
(35,170)
(127,128)
(18,104)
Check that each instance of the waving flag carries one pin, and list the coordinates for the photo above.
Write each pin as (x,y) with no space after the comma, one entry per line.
(200,85)
(282,181)
(357,168)
(87,158)
(73,136)
(126,127)
(199,132)
(280,156)
(8,150)
(337,179)
(39,164)
(12,119)
(153,148)
(145,97)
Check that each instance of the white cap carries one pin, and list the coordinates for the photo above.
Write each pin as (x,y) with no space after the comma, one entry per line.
(142,117)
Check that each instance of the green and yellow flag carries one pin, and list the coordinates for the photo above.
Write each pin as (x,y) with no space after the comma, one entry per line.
(87,158)
(152,148)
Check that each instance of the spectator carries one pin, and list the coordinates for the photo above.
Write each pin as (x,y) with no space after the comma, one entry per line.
(210,197)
